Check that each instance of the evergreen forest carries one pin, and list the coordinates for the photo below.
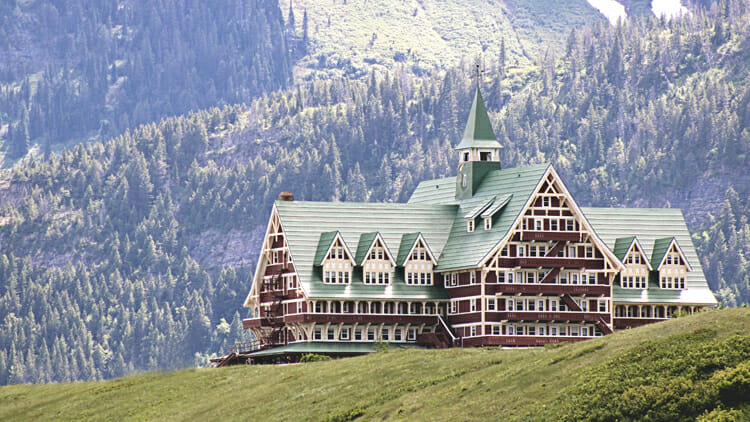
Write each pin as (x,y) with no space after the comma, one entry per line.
(135,252)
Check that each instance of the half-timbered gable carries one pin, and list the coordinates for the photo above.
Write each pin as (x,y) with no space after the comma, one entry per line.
(492,256)
(669,260)
(637,269)
(376,259)
(417,260)
(658,231)
(335,258)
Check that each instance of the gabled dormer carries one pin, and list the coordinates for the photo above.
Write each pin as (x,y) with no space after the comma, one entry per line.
(417,259)
(668,259)
(630,252)
(375,258)
(335,258)
(478,151)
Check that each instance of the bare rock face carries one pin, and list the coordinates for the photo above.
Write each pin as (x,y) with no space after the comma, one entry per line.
(214,249)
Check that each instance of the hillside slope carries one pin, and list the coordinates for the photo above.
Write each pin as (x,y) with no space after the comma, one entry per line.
(676,370)
(350,37)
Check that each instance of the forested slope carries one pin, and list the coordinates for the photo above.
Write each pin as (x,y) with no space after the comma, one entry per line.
(125,255)
(70,71)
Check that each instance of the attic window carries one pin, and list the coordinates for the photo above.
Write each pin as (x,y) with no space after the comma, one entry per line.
(488,223)
(470,226)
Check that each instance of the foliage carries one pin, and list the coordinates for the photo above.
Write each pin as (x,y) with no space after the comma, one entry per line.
(677,378)
(109,250)
(476,384)
(724,247)
(73,70)
(313,357)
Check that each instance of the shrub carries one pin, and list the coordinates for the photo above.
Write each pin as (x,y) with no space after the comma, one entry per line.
(313,357)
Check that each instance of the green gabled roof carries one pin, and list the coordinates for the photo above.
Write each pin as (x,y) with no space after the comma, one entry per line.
(407,243)
(661,247)
(478,210)
(324,245)
(303,222)
(466,250)
(648,225)
(438,191)
(622,246)
(497,205)
(478,132)
(365,242)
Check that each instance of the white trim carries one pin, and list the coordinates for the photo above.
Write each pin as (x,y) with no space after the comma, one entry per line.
(641,251)
(426,246)
(679,250)
(333,242)
(248,300)
(574,208)
(385,246)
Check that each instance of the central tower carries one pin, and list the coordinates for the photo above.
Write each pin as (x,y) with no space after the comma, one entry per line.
(478,151)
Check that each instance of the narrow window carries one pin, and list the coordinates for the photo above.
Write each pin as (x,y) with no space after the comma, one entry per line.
(470,226)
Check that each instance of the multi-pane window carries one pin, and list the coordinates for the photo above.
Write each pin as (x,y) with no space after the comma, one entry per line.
(668,282)
(491,304)
(377,277)
(470,226)
(336,277)
(633,282)
(472,277)
(423,278)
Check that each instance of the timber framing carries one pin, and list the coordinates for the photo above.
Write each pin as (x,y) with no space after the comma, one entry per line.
(539,270)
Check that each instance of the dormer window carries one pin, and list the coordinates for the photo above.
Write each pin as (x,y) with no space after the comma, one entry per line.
(488,223)
(669,260)
(375,258)
(337,261)
(470,226)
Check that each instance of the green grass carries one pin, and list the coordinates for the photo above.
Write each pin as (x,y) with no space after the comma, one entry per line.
(423,35)
(458,384)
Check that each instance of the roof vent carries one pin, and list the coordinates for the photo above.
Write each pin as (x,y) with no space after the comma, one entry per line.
(286,196)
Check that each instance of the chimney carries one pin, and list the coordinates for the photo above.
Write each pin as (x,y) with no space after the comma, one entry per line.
(286,196)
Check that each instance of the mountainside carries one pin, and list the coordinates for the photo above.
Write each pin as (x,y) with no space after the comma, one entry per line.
(89,70)
(691,368)
(352,37)
(126,255)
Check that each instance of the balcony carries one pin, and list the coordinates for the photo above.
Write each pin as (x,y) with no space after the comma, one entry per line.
(546,316)
(362,318)
(257,323)
(524,341)
(550,289)
(551,235)
(464,291)
(553,262)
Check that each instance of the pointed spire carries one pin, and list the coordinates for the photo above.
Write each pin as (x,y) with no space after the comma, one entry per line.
(478,132)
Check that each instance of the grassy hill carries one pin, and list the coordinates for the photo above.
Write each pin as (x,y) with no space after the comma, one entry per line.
(677,370)
(348,37)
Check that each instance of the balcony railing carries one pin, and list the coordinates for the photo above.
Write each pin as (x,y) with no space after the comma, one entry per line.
(552,262)
(362,318)
(546,316)
(551,235)
(548,288)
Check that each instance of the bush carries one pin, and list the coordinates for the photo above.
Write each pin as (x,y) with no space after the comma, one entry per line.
(312,357)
